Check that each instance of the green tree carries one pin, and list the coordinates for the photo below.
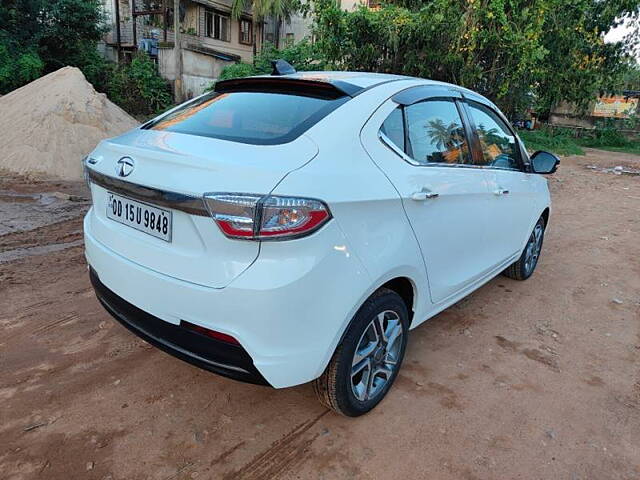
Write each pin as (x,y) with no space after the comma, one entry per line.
(18,67)
(40,36)
(516,52)
(578,63)
(304,55)
(138,88)
(68,29)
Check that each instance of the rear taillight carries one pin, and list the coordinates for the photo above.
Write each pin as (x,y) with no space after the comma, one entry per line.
(266,217)
(223,337)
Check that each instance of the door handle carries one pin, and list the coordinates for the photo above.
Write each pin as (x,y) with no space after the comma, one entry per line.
(422,196)
(501,191)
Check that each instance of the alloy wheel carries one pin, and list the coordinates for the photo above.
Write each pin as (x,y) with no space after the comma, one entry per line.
(376,357)
(533,248)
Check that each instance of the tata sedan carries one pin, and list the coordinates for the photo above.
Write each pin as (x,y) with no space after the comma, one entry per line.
(294,228)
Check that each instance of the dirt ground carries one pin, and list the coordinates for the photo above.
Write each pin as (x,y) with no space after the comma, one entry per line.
(521,380)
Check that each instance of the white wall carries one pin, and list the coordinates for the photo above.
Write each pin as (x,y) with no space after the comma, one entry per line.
(199,70)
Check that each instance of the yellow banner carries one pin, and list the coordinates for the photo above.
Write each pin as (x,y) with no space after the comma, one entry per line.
(615,107)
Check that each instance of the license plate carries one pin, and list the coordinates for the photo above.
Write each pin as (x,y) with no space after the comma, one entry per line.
(145,218)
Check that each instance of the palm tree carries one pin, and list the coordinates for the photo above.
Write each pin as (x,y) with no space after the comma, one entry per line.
(278,9)
(441,135)
(447,138)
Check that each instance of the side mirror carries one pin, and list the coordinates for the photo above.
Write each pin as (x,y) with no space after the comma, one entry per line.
(544,162)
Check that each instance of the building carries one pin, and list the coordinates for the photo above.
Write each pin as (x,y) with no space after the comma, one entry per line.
(614,108)
(283,33)
(211,39)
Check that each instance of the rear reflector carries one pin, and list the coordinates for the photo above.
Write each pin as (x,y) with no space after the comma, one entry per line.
(223,337)
(271,217)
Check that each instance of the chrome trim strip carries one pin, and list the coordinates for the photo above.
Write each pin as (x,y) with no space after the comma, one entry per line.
(175,201)
(395,149)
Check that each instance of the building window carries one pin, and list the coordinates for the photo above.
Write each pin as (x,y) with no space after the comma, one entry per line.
(246,31)
(217,25)
(289,39)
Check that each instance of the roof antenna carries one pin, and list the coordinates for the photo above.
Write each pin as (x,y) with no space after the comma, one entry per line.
(281,67)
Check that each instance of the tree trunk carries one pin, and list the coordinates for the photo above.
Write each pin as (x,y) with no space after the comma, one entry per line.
(278,21)
(177,51)
(255,37)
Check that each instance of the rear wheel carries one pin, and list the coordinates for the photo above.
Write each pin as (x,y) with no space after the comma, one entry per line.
(526,264)
(366,363)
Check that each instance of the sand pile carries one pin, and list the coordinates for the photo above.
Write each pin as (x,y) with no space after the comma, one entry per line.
(49,125)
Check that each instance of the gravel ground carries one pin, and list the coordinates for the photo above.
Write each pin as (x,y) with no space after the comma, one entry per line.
(521,380)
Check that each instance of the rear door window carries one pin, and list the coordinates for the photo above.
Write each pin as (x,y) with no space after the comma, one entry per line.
(256,117)
(393,128)
(436,133)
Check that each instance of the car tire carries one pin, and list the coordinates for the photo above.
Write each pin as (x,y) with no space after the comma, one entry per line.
(366,363)
(524,267)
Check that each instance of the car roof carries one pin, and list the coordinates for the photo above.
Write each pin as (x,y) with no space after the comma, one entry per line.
(365,80)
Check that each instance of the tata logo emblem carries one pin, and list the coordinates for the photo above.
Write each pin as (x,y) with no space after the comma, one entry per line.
(125,166)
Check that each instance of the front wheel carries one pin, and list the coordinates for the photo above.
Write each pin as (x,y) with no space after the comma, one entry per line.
(366,363)
(526,264)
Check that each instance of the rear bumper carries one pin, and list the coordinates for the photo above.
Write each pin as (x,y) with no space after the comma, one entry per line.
(219,357)
(288,310)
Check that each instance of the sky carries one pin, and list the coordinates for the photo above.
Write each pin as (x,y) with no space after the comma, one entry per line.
(619,33)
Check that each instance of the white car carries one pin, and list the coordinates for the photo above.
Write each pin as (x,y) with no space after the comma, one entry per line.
(293,228)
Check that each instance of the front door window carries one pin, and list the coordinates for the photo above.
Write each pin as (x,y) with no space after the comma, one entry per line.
(499,147)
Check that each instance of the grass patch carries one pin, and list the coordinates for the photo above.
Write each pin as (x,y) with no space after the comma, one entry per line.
(562,141)
(633,148)
(610,138)
(559,141)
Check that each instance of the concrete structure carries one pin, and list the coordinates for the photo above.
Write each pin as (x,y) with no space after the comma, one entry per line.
(288,32)
(211,39)
(615,109)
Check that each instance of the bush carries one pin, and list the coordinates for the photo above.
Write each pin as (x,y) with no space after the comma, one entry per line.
(18,68)
(560,141)
(564,141)
(94,66)
(606,134)
(238,70)
(303,56)
(138,88)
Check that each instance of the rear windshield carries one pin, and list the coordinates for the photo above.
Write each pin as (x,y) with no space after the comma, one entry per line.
(263,118)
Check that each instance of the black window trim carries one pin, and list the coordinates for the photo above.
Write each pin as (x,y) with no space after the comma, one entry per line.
(420,93)
(408,148)
(466,105)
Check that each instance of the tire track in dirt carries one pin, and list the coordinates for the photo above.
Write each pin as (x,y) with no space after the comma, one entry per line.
(65,320)
(59,232)
(283,454)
